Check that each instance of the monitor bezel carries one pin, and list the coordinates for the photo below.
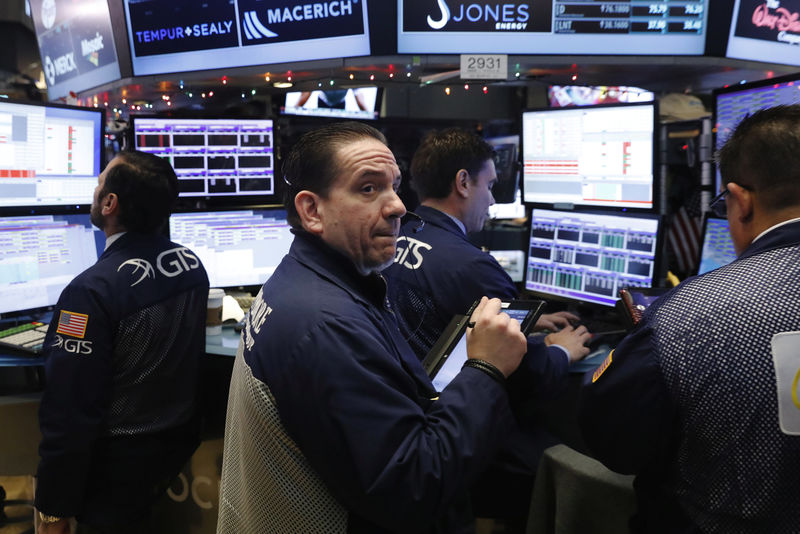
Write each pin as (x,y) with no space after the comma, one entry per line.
(568,206)
(658,261)
(207,203)
(21,209)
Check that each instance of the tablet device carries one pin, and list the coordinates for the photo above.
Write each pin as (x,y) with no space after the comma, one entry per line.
(446,357)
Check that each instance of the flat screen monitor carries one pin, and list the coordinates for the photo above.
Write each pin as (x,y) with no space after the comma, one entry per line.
(237,248)
(213,157)
(186,35)
(765,30)
(552,27)
(735,102)
(590,156)
(561,96)
(40,255)
(717,245)
(588,256)
(76,44)
(50,155)
(352,103)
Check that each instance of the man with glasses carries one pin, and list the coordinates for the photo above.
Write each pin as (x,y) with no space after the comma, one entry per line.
(700,401)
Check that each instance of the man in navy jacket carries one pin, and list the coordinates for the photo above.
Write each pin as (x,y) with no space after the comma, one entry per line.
(333,425)
(700,400)
(118,416)
(438,273)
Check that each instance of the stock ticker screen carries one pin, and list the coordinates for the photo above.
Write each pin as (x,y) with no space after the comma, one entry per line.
(590,256)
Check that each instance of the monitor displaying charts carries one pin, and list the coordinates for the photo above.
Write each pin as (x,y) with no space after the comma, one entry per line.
(589,256)
(600,156)
(237,248)
(212,157)
(50,155)
(717,245)
(40,255)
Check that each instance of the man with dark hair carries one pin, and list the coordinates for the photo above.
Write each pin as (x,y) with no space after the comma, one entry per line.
(118,416)
(438,273)
(700,401)
(333,425)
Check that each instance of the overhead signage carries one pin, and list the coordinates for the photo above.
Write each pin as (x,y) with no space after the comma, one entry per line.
(181,35)
(484,66)
(766,30)
(551,26)
(76,44)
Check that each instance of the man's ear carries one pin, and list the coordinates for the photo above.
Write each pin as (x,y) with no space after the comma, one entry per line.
(110,204)
(309,209)
(461,184)
(744,201)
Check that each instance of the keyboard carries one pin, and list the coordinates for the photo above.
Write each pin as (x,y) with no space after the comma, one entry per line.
(25,339)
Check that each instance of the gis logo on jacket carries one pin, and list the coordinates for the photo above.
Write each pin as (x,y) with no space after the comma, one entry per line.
(170,263)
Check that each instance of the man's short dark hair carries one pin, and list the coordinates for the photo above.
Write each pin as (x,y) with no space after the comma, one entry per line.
(441,155)
(146,187)
(763,155)
(312,164)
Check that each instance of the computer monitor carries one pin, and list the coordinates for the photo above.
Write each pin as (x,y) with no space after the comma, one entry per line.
(344,103)
(589,256)
(213,158)
(561,96)
(40,255)
(600,156)
(717,245)
(50,155)
(238,248)
(765,31)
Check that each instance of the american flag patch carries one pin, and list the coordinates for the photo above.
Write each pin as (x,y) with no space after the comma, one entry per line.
(72,324)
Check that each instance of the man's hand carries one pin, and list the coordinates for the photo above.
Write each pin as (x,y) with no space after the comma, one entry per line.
(555,321)
(59,527)
(496,337)
(572,339)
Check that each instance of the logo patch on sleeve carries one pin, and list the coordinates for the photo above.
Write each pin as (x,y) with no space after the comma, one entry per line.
(786,359)
(602,369)
(72,324)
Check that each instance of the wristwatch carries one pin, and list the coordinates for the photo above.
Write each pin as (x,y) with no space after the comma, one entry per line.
(44,518)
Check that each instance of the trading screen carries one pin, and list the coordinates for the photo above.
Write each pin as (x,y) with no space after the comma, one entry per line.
(589,256)
(237,248)
(213,157)
(40,255)
(717,246)
(48,155)
(596,156)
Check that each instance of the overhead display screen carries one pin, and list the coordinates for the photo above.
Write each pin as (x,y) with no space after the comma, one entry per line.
(183,35)
(552,27)
(75,43)
(765,30)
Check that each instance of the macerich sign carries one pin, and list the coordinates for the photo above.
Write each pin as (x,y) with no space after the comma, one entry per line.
(181,35)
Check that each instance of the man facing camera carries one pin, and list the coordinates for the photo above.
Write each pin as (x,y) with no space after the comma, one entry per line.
(700,401)
(333,425)
(119,416)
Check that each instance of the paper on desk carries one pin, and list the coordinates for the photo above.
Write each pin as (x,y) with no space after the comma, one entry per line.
(786,357)
(231,311)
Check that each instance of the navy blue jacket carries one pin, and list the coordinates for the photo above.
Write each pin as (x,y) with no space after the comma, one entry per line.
(122,354)
(688,401)
(437,273)
(360,413)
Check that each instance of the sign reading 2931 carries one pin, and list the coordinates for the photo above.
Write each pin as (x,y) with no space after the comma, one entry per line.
(484,66)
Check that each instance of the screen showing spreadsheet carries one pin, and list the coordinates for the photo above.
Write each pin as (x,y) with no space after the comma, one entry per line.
(717,245)
(237,248)
(212,157)
(40,255)
(49,155)
(590,256)
(599,156)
